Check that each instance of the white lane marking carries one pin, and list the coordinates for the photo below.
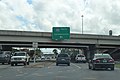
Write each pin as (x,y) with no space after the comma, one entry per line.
(49,72)
(90,79)
(49,67)
(37,74)
(16,67)
(74,70)
(61,77)
(76,65)
(60,71)
(19,75)
(68,70)
(0,76)
(25,73)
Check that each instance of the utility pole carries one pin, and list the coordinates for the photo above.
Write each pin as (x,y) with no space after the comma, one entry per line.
(82,23)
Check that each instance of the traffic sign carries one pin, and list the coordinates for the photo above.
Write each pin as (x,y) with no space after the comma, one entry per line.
(60,33)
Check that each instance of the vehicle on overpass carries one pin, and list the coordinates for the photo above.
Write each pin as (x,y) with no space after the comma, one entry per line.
(5,57)
(101,61)
(63,59)
(80,58)
(20,57)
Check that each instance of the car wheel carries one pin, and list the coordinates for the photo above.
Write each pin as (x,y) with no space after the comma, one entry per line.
(12,64)
(27,63)
(112,68)
(9,62)
(15,64)
(2,63)
(93,67)
(89,66)
(68,64)
(56,64)
(24,63)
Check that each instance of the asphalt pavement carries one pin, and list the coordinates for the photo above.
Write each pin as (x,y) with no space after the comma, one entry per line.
(76,71)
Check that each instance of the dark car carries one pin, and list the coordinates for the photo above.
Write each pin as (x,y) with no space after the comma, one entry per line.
(5,57)
(101,61)
(63,59)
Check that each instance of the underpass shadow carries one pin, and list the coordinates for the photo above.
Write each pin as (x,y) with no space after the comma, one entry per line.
(62,65)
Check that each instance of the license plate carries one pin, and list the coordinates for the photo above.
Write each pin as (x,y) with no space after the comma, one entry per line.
(104,61)
(63,59)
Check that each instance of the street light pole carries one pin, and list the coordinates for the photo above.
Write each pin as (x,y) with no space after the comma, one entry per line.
(82,23)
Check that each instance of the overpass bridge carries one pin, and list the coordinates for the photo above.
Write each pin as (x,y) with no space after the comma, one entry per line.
(9,39)
(25,38)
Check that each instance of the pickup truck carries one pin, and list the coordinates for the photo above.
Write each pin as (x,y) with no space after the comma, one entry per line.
(20,57)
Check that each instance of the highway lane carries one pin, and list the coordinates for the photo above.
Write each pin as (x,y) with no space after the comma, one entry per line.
(76,71)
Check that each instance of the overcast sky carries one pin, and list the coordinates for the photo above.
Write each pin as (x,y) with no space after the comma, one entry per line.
(100,16)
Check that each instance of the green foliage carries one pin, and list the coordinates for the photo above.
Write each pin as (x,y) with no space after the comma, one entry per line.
(55,51)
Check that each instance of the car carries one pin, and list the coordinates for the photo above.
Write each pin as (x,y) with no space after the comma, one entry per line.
(63,58)
(5,57)
(80,58)
(42,58)
(20,57)
(101,61)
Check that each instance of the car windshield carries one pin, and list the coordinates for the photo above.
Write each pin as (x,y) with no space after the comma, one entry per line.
(19,54)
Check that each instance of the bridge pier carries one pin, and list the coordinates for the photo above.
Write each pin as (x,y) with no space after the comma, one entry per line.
(91,52)
(6,48)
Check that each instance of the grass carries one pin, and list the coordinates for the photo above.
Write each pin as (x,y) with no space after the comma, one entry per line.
(117,65)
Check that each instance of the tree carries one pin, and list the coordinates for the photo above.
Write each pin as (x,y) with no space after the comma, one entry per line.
(39,53)
(55,52)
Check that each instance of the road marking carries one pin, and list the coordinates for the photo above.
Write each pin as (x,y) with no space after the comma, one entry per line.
(74,70)
(68,70)
(49,67)
(89,78)
(37,74)
(76,66)
(60,71)
(25,73)
(50,72)
(0,76)
(61,77)
(17,67)
(19,75)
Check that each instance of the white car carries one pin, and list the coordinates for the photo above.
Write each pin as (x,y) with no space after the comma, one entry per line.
(80,58)
(20,57)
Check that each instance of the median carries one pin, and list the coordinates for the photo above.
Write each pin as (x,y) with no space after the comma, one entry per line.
(39,64)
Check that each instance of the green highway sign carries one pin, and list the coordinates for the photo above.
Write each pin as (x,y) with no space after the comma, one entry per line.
(60,33)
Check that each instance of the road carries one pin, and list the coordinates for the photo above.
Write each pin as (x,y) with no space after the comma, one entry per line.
(76,71)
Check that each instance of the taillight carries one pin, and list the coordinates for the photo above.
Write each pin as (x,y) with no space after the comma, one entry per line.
(97,61)
(111,60)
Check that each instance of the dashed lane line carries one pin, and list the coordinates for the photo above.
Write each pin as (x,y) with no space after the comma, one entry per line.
(76,65)
(19,75)
(90,79)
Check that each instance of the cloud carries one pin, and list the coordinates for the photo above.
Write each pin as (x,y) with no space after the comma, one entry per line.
(100,16)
